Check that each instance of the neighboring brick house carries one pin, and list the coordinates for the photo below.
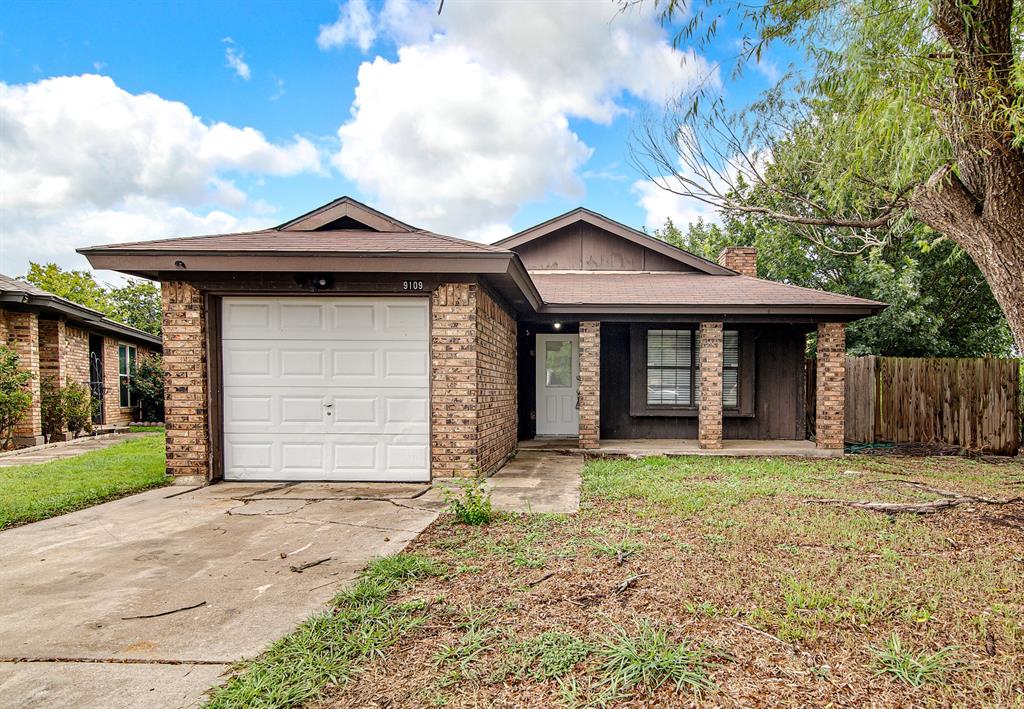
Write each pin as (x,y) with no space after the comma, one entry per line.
(57,339)
(347,345)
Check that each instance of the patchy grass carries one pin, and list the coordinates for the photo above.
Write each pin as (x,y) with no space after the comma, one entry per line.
(711,581)
(29,493)
(326,648)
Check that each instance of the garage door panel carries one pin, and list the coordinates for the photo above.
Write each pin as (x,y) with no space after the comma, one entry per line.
(326,388)
(306,410)
(335,457)
(379,363)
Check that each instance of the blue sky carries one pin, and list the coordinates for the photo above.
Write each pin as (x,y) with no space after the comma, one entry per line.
(128,121)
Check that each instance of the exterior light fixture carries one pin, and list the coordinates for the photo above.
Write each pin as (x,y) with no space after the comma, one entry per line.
(558,326)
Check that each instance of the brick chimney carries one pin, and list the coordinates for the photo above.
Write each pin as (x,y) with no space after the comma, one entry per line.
(742,259)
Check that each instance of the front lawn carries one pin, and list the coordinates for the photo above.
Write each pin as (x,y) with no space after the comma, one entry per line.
(686,581)
(29,493)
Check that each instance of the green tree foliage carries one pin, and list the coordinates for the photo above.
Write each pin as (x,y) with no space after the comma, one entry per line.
(148,387)
(939,303)
(15,396)
(902,114)
(136,303)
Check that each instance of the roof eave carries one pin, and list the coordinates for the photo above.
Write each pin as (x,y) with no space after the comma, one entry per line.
(79,313)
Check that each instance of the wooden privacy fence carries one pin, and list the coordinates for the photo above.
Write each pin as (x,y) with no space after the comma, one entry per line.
(971,403)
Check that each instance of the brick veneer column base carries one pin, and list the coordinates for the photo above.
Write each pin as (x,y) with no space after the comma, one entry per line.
(710,411)
(590,384)
(23,336)
(830,407)
(185,360)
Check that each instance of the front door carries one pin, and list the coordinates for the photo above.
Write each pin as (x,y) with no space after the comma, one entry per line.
(558,369)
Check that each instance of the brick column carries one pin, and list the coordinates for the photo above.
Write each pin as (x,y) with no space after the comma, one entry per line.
(830,408)
(185,357)
(590,384)
(453,387)
(23,336)
(710,421)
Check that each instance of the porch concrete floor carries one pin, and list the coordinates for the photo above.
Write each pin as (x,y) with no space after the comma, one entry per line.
(641,447)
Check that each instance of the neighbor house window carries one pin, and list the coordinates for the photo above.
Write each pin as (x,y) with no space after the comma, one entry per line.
(673,368)
(125,364)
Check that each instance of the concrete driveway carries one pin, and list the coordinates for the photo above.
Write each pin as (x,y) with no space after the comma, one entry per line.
(72,587)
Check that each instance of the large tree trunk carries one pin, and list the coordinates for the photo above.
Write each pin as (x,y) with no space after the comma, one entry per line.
(979,202)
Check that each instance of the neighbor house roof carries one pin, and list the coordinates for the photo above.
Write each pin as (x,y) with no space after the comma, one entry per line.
(576,291)
(20,294)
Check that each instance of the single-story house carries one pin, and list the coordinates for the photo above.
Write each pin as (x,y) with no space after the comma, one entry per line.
(58,339)
(348,345)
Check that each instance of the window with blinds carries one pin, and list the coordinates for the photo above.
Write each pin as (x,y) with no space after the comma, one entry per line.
(673,368)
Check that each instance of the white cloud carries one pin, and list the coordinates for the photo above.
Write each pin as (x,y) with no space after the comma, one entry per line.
(473,117)
(659,204)
(54,236)
(83,162)
(235,59)
(82,140)
(354,25)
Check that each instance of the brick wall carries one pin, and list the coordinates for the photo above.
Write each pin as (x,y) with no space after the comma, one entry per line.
(742,259)
(709,426)
(473,381)
(590,383)
(185,359)
(23,338)
(76,354)
(52,343)
(831,394)
(498,416)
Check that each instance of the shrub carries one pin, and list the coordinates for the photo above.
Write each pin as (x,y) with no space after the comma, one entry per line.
(148,387)
(69,407)
(15,397)
(77,407)
(473,506)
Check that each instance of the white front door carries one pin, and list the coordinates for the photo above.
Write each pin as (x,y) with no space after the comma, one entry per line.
(558,369)
(326,388)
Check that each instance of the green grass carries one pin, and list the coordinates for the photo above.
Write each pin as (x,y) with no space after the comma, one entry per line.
(327,648)
(145,429)
(912,668)
(647,658)
(29,493)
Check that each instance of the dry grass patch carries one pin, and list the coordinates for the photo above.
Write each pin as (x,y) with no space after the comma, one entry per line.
(711,580)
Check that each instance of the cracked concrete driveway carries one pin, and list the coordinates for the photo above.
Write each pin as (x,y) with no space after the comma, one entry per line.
(72,587)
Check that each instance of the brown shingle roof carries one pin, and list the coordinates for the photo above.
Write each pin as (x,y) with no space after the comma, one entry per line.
(343,241)
(661,289)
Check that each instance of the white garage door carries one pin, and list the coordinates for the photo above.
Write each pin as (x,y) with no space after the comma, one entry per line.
(326,388)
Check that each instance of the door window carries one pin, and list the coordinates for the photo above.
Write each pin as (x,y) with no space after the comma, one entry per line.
(558,363)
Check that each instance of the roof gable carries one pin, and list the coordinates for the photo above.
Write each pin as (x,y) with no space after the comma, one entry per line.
(345,213)
(553,229)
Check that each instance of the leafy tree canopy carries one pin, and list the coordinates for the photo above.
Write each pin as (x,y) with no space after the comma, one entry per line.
(136,303)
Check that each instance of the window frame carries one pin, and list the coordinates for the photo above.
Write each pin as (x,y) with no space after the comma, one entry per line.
(638,405)
(131,355)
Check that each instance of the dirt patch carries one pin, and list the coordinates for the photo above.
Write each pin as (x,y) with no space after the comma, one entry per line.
(795,600)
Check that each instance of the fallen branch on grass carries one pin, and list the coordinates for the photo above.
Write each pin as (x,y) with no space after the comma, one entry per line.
(158,615)
(948,500)
(621,588)
(308,565)
(541,580)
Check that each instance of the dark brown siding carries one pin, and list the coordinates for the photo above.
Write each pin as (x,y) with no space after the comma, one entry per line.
(582,246)
(778,386)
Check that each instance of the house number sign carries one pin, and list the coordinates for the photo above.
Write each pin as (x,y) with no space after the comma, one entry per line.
(412,285)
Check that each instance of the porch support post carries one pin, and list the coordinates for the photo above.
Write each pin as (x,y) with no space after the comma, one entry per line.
(590,384)
(710,421)
(830,407)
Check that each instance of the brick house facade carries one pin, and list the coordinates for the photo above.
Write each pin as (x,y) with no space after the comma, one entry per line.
(52,339)
(347,345)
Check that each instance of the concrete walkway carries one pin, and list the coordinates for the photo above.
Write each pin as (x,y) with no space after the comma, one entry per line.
(533,481)
(59,451)
(72,588)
